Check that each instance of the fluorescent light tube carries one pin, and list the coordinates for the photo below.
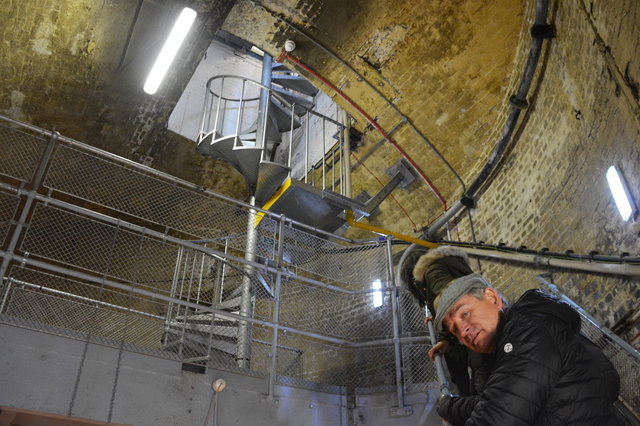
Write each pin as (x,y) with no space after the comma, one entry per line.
(169,50)
(620,192)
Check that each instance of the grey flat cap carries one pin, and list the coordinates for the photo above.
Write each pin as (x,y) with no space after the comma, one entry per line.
(453,292)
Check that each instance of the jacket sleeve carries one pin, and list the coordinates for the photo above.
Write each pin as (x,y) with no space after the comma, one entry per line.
(525,370)
(456,410)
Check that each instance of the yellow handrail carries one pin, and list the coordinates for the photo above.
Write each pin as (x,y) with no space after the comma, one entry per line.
(352,222)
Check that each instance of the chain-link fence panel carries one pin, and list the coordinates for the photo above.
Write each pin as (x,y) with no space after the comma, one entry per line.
(627,365)
(312,363)
(419,370)
(374,369)
(20,153)
(103,249)
(79,308)
(133,192)
(412,315)
(356,267)
(8,205)
(331,312)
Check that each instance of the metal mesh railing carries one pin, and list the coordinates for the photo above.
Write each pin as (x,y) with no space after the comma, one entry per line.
(625,359)
(104,250)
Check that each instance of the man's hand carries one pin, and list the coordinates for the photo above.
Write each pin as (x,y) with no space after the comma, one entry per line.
(439,348)
(443,405)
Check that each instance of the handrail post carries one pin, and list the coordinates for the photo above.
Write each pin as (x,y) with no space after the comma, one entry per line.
(240,107)
(273,370)
(346,151)
(324,153)
(306,147)
(396,323)
(291,138)
(215,125)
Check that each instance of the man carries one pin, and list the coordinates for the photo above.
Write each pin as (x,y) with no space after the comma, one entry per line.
(542,371)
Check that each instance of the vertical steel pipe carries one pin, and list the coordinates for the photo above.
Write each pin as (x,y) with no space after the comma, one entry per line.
(215,125)
(240,108)
(263,105)
(273,370)
(324,153)
(396,324)
(346,154)
(291,138)
(26,209)
(306,147)
(243,353)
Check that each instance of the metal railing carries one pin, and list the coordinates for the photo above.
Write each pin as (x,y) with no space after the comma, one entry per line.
(99,248)
(315,142)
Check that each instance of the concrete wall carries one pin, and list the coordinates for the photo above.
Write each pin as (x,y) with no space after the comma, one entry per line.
(48,373)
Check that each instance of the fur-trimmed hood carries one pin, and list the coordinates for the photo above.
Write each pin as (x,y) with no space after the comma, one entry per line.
(439,252)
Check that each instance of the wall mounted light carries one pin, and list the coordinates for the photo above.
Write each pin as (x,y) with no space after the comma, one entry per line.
(169,50)
(620,192)
(377,295)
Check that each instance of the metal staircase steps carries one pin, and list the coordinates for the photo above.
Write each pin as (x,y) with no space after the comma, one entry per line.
(302,103)
(270,178)
(295,82)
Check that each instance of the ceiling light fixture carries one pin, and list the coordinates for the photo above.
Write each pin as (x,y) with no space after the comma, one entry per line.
(169,50)
(620,192)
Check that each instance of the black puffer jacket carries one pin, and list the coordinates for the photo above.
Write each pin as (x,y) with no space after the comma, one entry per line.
(543,372)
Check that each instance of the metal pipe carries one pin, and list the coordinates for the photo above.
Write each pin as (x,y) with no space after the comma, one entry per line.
(263,105)
(240,108)
(224,270)
(84,299)
(551,262)
(174,286)
(352,222)
(215,126)
(243,353)
(200,277)
(276,310)
(396,325)
(324,153)
(291,142)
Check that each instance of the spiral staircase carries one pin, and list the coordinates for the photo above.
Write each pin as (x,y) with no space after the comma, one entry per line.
(252,147)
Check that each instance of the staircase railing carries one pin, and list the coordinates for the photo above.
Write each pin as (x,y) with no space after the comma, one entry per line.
(310,144)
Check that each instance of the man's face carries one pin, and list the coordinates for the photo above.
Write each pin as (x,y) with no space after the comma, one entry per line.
(474,321)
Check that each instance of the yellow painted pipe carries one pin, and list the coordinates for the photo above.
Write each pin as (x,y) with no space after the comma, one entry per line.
(352,222)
